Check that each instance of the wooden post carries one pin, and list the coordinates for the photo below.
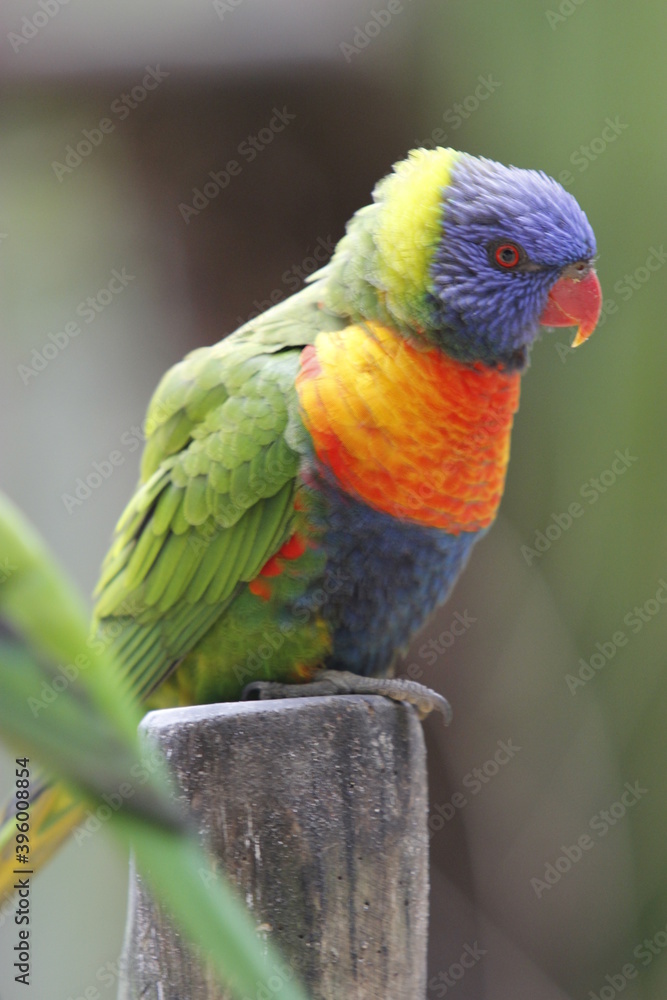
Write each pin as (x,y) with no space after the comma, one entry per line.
(316,809)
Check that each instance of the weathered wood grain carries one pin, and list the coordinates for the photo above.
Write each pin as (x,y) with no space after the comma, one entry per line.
(316,809)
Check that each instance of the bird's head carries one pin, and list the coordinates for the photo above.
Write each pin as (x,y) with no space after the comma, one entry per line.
(500,252)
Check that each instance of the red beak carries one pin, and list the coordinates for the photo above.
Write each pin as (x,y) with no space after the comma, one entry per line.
(574,302)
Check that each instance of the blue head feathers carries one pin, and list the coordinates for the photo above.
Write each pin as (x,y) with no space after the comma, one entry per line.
(508,236)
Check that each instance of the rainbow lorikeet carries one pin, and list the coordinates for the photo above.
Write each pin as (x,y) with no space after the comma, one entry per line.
(312,485)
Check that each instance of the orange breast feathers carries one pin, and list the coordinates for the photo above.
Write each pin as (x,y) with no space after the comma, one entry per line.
(407,429)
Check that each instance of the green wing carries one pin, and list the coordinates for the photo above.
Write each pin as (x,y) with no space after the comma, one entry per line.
(216,497)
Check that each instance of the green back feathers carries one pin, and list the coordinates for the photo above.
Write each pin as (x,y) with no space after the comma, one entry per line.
(380,269)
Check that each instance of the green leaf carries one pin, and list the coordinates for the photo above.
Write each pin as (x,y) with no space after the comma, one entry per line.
(87,734)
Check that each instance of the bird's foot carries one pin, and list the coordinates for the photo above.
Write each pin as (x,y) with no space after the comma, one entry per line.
(328,682)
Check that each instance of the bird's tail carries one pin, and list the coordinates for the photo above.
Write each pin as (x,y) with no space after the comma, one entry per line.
(53,814)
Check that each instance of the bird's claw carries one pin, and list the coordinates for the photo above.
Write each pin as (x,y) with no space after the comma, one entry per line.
(330,682)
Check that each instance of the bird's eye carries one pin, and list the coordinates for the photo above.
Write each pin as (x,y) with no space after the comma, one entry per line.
(507,255)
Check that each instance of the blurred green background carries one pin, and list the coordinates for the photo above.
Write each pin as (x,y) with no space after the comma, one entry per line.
(574,88)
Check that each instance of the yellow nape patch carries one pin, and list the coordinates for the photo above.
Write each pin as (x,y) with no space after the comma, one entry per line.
(409,226)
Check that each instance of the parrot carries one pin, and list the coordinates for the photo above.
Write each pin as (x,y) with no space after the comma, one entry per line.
(312,486)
